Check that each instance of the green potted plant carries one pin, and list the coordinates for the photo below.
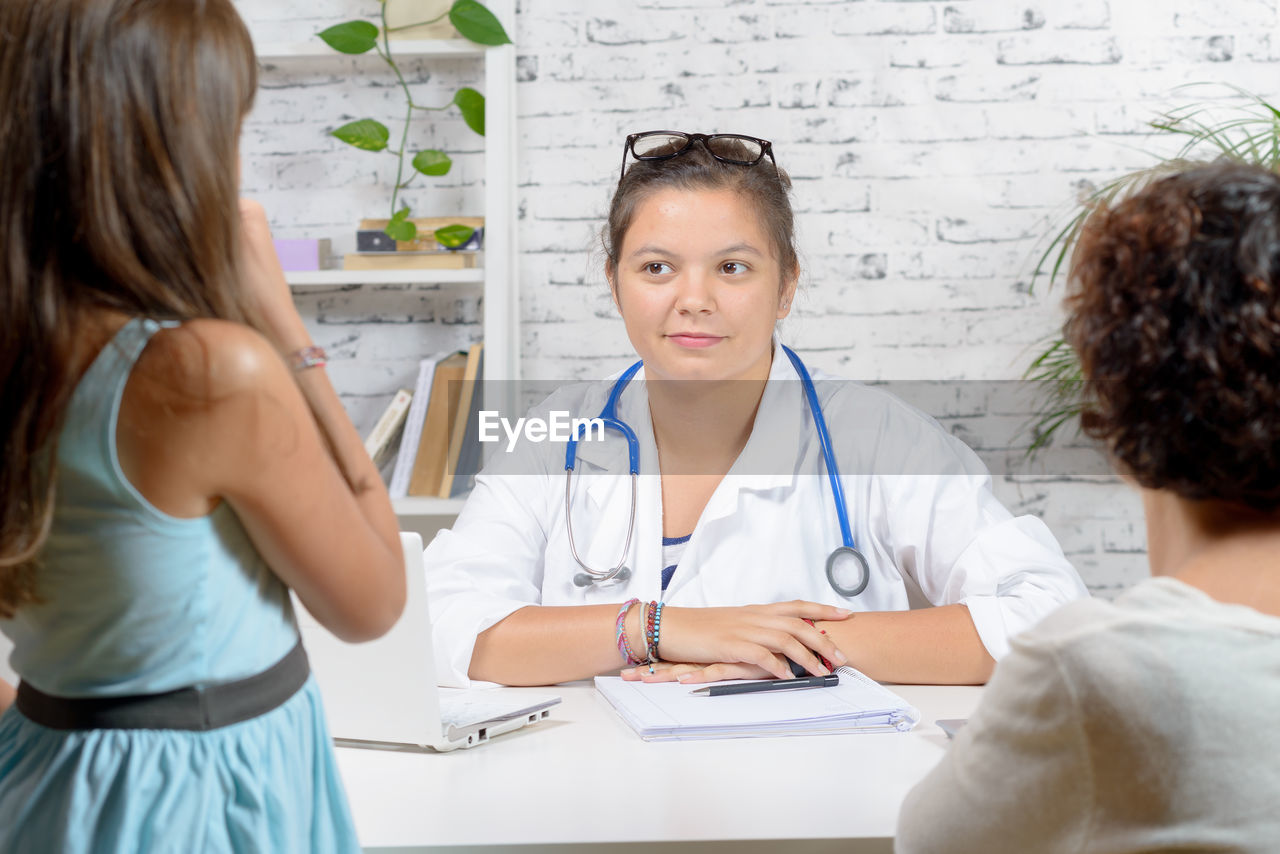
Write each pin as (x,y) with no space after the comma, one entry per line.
(473,21)
(1245,128)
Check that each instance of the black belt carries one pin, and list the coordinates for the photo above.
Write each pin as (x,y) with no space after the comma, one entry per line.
(203,708)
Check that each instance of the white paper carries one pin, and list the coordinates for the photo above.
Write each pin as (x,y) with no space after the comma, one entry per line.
(667,710)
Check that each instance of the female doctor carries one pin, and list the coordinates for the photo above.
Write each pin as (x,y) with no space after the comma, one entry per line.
(721,543)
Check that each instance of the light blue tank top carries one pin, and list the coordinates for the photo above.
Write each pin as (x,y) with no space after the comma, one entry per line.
(136,601)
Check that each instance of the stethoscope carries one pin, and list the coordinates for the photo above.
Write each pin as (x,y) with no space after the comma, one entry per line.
(846,557)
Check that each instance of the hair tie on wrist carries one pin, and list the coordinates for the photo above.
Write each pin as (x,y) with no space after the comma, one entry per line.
(308,357)
(620,634)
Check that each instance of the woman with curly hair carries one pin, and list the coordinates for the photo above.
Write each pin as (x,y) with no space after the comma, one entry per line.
(1147,723)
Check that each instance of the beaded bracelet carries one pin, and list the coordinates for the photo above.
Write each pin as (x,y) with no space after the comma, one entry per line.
(308,357)
(646,626)
(653,626)
(657,626)
(620,633)
(825,663)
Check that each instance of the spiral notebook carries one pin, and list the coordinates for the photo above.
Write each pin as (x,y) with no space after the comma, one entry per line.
(666,711)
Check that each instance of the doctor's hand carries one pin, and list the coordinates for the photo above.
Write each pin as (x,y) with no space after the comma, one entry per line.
(673,671)
(753,639)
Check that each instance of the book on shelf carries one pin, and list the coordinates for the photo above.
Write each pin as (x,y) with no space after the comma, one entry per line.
(410,437)
(445,260)
(465,431)
(382,437)
(470,457)
(433,441)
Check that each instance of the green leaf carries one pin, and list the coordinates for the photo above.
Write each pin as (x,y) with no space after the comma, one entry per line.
(400,228)
(471,103)
(477,23)
(432,162)
(351,37)
(453,236)
(365,134)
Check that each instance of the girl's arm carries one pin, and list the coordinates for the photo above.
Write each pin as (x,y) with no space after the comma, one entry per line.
(310,497)
(213,413)
(7,694)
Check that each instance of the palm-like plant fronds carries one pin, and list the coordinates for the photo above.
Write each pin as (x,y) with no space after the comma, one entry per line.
(1059,386)
(1246,130)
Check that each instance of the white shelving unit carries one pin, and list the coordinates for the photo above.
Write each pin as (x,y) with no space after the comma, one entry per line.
(497,276)
(323,278)
(277,51)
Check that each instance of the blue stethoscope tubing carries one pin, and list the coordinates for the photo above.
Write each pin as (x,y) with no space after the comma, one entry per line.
(609,417)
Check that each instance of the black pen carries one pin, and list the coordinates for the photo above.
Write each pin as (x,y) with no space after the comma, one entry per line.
(829,681)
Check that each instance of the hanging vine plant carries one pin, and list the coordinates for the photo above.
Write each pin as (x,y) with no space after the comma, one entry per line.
(473,21)
(1247,131)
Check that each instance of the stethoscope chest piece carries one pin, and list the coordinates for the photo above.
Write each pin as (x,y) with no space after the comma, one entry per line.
(848,571)
(583,579)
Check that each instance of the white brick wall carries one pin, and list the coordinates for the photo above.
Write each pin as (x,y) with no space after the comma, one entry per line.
(930,143)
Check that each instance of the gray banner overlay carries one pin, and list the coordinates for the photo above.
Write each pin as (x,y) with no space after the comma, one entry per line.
(876,428)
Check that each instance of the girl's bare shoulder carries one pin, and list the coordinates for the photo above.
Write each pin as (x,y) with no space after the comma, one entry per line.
(207,402)
(211,359)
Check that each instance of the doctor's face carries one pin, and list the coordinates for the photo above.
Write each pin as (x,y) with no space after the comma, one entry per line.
(699,286)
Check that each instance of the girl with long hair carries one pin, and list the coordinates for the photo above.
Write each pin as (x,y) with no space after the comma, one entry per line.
(175,460)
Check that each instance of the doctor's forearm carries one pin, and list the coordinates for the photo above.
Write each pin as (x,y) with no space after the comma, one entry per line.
(543,645)
(937,646)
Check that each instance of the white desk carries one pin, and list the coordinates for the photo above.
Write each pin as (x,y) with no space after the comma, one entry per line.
(584,777)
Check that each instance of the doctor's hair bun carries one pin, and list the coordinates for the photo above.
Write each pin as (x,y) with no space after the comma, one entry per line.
(1174,310)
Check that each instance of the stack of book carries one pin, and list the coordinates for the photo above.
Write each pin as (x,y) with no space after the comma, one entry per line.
(375,250)
(438,434)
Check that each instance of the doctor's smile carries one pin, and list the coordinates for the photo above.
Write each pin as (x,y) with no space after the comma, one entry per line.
(695,340)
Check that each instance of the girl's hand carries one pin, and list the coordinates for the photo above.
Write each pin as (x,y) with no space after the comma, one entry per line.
(762,636)
(266,290)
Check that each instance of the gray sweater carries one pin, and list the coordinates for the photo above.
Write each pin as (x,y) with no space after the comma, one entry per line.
(1144,724)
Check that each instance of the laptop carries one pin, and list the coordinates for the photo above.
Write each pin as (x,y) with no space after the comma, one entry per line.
(384,692)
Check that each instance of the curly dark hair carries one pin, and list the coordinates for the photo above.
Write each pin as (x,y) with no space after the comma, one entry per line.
(1174,311)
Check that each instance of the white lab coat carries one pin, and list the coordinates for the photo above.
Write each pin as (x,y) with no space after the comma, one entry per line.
(919,502)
